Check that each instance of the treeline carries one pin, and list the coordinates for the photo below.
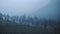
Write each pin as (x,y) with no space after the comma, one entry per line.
(13,21)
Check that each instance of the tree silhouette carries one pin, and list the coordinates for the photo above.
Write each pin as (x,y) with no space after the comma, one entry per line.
(1,16)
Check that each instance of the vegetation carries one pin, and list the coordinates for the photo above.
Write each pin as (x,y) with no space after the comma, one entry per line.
(28,25)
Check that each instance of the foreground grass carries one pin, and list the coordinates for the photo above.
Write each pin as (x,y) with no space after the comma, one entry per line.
(16,28)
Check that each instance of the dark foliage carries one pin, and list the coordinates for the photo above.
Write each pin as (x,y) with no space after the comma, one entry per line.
(28,25)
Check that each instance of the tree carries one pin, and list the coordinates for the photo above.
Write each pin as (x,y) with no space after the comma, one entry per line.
(23,18)
(1,16)
(13,18)
(45,23)
(36,21)
(7,17)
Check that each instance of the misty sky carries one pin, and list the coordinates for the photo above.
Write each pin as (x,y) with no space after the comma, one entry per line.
(41,8)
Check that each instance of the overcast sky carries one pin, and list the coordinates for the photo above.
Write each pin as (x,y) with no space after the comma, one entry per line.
(29,7)
(22,6)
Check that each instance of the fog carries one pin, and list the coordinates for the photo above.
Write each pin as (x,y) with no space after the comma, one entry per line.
(40,8)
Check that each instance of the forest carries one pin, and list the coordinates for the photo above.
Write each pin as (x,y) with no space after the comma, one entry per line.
(28,25)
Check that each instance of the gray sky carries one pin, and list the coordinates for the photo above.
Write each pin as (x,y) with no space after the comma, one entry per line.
(41,8)
(16,7)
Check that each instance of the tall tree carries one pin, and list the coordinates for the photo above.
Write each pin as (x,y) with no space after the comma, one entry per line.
(7,17)
(1,16)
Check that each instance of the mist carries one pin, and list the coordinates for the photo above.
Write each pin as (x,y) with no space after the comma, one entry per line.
(29,16)
(40,8)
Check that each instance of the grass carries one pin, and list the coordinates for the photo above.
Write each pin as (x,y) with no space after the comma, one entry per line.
(14,28)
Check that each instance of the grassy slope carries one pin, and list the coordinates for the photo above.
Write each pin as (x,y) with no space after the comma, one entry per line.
(15,28)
